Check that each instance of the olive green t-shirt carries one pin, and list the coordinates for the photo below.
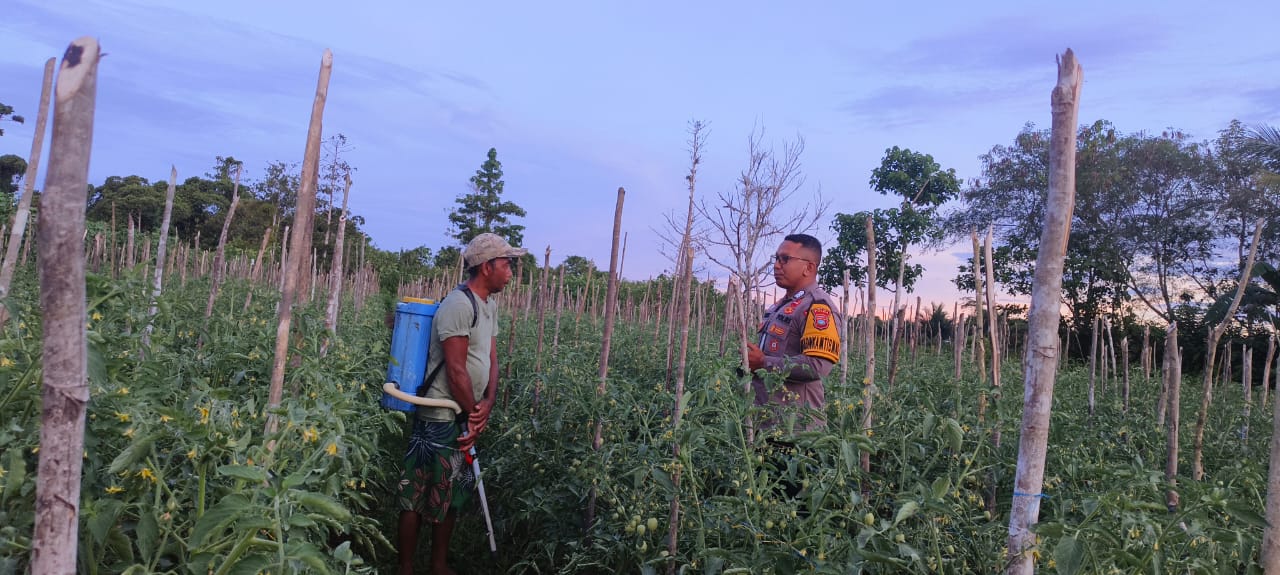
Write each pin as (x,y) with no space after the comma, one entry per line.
(453,319)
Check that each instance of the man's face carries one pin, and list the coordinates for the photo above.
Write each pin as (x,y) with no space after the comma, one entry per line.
(498,272)
(793,265)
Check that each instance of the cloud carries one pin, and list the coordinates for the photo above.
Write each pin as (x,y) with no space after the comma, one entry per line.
(996,63)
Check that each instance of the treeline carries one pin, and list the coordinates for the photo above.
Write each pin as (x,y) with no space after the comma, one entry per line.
(1161,229)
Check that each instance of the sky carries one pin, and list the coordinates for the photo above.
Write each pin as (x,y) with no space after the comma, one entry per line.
(581,98)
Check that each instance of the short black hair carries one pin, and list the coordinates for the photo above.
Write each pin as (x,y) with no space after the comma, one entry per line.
(807,242)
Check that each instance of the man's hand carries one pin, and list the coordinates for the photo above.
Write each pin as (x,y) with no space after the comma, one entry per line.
(477,421)
(755,357)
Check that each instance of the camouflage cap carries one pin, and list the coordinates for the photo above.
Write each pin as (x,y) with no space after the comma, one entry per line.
(485,247)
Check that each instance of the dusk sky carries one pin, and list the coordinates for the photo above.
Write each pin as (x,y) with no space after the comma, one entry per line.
(581,98)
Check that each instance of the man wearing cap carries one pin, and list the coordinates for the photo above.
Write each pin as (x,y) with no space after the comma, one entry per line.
(436,481)
(799,339)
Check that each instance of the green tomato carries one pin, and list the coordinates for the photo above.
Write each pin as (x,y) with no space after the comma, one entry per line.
(869,519)
(640,529)
(652,524)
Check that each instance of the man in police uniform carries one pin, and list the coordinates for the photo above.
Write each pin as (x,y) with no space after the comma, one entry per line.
(800,338)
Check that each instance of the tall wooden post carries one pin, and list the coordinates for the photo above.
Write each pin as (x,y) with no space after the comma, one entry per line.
(62,303)
(1042,329)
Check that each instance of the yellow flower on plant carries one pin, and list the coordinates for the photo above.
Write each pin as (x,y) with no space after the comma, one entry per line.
(96,316)
(332,449)
(191,454)
(310,435)
(128,432)
(123,391)
(114,489)
(123,417)
(165,419)
(204,415)
(147,474)
(6,362)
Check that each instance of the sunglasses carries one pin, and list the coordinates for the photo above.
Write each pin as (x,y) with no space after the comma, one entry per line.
(784,259)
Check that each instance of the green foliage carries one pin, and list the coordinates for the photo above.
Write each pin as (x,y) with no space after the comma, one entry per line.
(923,186)
(6,114)
(12,167)
(178,479)
(915,177)
(482,210)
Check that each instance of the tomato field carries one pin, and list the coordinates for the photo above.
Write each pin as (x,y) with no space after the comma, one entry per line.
(178,477)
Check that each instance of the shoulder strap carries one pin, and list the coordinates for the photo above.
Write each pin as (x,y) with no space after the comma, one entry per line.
(475,308)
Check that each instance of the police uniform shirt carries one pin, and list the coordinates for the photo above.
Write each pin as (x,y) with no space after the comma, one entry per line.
(800,338)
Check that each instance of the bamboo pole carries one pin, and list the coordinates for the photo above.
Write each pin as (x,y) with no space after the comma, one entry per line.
(869,378)
(62,301)
(1197,454)
(219,259)
(606,339)
(300,243)
(335,270)
(1044,320)
(20,218)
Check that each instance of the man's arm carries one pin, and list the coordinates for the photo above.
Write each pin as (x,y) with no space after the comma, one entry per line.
(455,366)
(479,418)
(819,347)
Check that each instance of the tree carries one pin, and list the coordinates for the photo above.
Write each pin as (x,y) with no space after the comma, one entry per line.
(12,167)
(482,210)
(923,186)
(6,113)
(280,188)
(578,266)
(1011,194)
(744,221)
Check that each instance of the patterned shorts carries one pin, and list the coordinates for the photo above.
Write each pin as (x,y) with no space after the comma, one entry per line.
(436,476)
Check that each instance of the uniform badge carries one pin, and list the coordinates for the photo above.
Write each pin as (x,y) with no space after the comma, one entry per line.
(774,345)
(798,295)
(791,308)
(821,318)
(777,330)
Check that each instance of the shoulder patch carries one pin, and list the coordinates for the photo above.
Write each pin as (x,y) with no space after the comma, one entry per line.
(821,338)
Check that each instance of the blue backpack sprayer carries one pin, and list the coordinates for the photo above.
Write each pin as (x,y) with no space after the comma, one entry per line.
(407,379)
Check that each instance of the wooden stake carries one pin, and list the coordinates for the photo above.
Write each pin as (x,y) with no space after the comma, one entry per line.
(19,227)
(1044,320)
(219,259)
(869,378)
(1197,454)
(611,297)
(62,302)
(300,244)
(335,271)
